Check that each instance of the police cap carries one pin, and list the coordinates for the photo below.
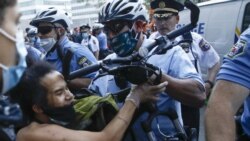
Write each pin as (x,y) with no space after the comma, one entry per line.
(85,26)
(166,7)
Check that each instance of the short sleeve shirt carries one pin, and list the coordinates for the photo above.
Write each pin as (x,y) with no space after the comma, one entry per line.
(82,57)
(236,68)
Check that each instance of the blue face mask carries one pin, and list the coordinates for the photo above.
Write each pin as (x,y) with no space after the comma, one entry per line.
(11,75)
(33,39)
(123,44)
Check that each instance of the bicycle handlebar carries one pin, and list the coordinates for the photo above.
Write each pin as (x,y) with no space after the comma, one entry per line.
(84,71)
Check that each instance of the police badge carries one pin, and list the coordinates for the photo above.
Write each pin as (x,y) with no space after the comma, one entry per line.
(237,49)
(162,4)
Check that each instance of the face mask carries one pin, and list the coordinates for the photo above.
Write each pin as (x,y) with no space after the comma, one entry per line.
(85,35)
(123,44)
(32,39)
(47,44)
(12,75)
(62,115)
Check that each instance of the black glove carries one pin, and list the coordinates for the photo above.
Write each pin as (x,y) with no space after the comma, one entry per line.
(155,74)
(139,73)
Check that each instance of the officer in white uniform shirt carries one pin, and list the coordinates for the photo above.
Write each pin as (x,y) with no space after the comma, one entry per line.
(199,51)
(203,55)
(185,84)
(89,40)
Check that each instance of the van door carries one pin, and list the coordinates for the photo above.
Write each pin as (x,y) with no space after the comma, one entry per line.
(243,19)
(246,17)
(216,23)
(221,25)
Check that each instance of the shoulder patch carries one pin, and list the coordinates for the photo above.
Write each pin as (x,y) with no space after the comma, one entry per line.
(204,45)
(237,49)
(83,61)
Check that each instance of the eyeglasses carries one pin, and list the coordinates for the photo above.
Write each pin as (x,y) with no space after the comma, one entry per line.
(116,26)
(45,29)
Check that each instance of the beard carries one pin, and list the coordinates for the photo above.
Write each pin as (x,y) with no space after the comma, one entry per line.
(60,115)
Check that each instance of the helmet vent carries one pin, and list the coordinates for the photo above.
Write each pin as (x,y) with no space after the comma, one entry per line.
(125,11)
(107,8)
(116,5)
(42,13)
(52,13)
(133,0)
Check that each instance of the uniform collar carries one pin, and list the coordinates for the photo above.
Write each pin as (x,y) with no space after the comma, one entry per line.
(63,40)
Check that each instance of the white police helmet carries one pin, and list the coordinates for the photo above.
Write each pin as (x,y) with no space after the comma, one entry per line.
(131,10)
(52,15)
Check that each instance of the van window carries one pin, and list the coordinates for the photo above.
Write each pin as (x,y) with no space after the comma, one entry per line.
(246,19)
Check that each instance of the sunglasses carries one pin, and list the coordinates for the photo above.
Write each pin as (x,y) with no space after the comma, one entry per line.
(45,29)
(31,35)
(116,26)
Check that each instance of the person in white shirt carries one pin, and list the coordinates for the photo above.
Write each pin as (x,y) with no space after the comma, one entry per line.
(89,40)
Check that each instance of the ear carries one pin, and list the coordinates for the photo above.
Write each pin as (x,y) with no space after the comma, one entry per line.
(177,18)
(37,109)
(60,31)
(139,25)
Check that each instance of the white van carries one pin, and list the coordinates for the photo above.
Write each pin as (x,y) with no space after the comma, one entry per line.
(220,22)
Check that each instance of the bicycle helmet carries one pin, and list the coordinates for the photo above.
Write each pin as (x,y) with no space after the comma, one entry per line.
(98,26)
(52,15)
(131,10)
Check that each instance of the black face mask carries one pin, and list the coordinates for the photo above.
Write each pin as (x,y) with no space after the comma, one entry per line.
(61,115)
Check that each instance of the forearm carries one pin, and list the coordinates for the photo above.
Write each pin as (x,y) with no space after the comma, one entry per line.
(219,122)
(187,91)
(116,128)
(219,116)
(212,72)
(225,100)
(79,83)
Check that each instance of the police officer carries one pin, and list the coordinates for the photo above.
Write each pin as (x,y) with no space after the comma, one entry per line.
(125,35)
(201,53)
(34,40)
(35,52)
(231,90)
(52,26)
(109,83)
(102,38)
(88,40)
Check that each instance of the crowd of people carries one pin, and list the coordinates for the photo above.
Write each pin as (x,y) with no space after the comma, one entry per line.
(35,68)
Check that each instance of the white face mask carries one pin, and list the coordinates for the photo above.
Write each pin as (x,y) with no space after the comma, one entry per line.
(85,35)
(12,75)
(47,44)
